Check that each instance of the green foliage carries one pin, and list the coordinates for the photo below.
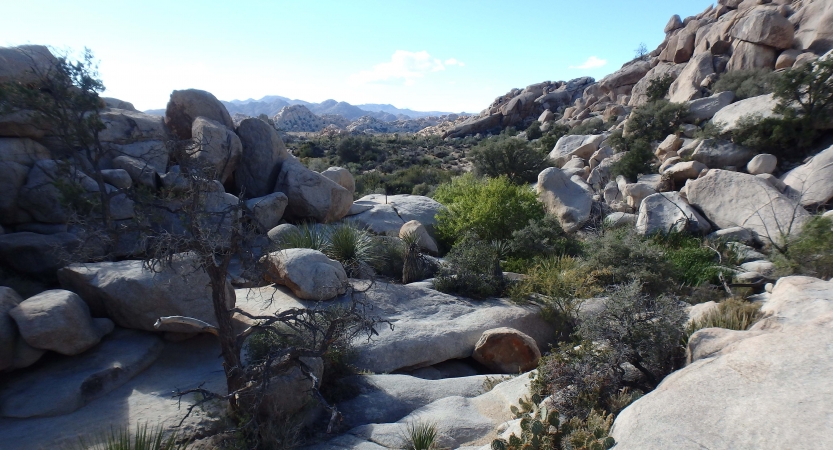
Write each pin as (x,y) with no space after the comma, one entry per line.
(306,235)
(695,263)
(639,160)
(390,258)
(420,436)
(548,141)
(153,438)
(543,428)
(732,314)
(543,237)
(638,329)
(354,149)
(415,180)
(810,88)
(746,83)
(534,130)
(788,137)
(310,150)
(490,208)
(811,251)
(353,247)
(593,126)
(472,269)
(510,157)
(658,87)
(654,121)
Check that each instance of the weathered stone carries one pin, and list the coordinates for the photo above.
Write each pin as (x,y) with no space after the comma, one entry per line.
(748,56)
(729,116)
(565,199)
(342,177)
(308,273)
(682,171)
(37,254)
(620,218)
(718,154)
(772,180)
(812,182)
(380,219)
(667,211)
(787,59)
(60,321)
(575,145)
(25,64)
(8,328)
(628,75)
(424,240)
(765,27)
(734,234)
(312,195)
(118,178)
(687,86)
(217,148)
(763,163)
(185,106)
(731,199)
(266,212)
(280,232)
(674,23)
(139,171)
(813,26)
(506,350)
(135,134)
(135,297)
(706,108)
(409,207)
(66,384)
(17,156)
(639,94)
(263,153)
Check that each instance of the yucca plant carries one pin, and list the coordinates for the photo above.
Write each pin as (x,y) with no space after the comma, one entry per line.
(306,235)
(421,436)
(145,438)
(353,247)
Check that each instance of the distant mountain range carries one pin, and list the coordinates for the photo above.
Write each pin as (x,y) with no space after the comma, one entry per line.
(272,104)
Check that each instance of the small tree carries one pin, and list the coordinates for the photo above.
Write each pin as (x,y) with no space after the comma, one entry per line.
(509,157)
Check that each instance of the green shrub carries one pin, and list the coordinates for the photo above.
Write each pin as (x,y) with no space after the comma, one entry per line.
(510,157)
(639,329)
(307,235)
(788,137)
(654,121)
(746,83)
(695,263)
(491,208)
(144,438)
(548,141)
(534,131)
(543,237)
(356,149)
(639,160)
(353,247)
(592,126)
(420,436)
(811,252)
(543,428)
(390,258)
(658,87)
(732,314)
(472,269)
(415,180)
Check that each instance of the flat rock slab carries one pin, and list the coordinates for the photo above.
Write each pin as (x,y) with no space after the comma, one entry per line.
(388,398)
(67,383)
(429,327)
(146,398)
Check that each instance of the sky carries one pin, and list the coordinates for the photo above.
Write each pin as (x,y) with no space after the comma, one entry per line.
(426,55)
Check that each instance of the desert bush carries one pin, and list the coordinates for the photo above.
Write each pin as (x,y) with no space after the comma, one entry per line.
(619,255)
(472,269)
(390,258)
(811,251)
(547,142)
(658,87)
(144,438)
(544,428)
(638,329)
(307,235)
(353,247)
(543,237)
(695,263)
(513,158)
(533,131)
(420,436)
(788,137)
(592,126)
(639,160)
(491,208)
(732,314)
(746,83)
(356,149)
(654,121)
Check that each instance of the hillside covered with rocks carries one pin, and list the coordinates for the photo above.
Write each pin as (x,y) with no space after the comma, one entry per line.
(642,262)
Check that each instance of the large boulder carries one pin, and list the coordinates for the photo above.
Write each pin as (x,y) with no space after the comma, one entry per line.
(506,350)
(768,387)
(814,26)
(65,384)
(763,163)
(37,254)
(267,211)
(60,321)
(135,134)
(628,75)
(564,198)
(423,239)
(308,273)
(17,156)
(732,199)
(379,218)
(706,108)
(687,86)
(812,182)
(765,27)
(263,153)
(575,145)
(134,296)
(719,154)
(729,116)
(312,195)
(185,106)
(342,177)
(408,207)
(8,329)
(26,64)
(217,148)
(748,56)
(668,211)
(639,94)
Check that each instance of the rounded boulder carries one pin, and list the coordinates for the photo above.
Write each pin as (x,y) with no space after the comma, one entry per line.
(507,350)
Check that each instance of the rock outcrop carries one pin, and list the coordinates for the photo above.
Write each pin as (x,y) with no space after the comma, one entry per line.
(309,273)
(185,106)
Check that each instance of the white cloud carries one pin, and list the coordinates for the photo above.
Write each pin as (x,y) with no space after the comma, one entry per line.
(403,65)
(591,63)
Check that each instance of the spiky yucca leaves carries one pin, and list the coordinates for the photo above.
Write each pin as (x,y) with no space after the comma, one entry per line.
(145,438)
(353,247)
(306,235)
(420,436)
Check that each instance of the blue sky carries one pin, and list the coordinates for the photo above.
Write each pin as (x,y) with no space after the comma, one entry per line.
(424,55)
